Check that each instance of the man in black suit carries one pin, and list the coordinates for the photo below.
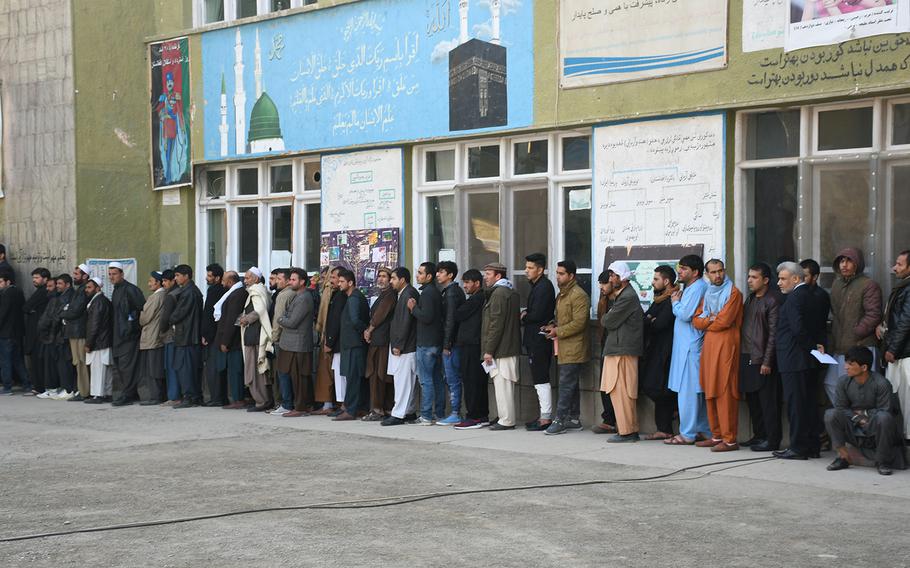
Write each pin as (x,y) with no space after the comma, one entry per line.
(796,364)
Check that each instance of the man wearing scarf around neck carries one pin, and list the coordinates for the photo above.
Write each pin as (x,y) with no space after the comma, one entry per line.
(720,316)
(655,364)
(500,340)
(257,340)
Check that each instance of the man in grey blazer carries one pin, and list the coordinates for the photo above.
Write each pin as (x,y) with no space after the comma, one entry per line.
(296,344)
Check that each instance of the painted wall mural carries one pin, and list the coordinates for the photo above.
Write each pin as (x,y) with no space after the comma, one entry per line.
(368,72)
(170,71)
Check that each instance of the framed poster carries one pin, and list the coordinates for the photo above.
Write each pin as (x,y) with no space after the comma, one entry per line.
(170,117)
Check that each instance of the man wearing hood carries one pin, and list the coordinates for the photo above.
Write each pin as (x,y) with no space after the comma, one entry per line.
(720,316)
(624,325)
(501,340)
(655,364)
(895,333)
(856,310)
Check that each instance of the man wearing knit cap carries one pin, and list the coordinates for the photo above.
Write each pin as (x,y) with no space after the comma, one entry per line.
(73,318)
(501,340)
(624,326)
(97,350)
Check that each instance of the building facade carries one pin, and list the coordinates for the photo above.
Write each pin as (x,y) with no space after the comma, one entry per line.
(375,132)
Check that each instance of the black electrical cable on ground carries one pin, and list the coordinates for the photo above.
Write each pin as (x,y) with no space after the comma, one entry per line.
(400,500)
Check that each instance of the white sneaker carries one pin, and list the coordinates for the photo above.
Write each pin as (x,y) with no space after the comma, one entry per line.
(424,421)
(280,411)
(65,395)
(47,394)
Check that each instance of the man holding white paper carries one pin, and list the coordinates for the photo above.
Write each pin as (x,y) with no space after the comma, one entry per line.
(501,340)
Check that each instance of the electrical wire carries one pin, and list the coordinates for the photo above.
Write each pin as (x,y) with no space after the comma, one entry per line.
(401,500)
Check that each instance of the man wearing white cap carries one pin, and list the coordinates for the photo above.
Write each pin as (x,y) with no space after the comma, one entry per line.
(73,318)
(97,350)
(257,340)
(624,327)
(127,301)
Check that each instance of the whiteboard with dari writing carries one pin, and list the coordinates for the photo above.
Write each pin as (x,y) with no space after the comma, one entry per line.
(659,182)
(363,190)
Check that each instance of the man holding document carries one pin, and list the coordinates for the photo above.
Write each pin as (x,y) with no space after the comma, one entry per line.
(501,340)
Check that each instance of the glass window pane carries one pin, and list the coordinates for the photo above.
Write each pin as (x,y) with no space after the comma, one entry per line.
(312,240)
(576,153)
(248,237)
(530,157)
(248,181)
(214,186)
(483,229)
(312,176)
(530,222)
(844,211)
(843,129)
(282,179)
(246,8)
(584,280)
(771,229)
(772,135)
(440,225)
(214,11)
(217,239)
(483,161)
(900,204)
(440,165)
(523,287)
(577,225)
(900,133)
(280,5)
(281,229)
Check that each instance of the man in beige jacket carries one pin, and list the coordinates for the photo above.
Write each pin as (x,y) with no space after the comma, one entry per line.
(151,348)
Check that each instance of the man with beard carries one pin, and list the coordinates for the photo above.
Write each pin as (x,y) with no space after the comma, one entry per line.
(73,319)
(33,347)
(382,389)
(655,364)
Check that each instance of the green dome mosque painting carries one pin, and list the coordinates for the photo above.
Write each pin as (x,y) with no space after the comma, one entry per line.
(265,126)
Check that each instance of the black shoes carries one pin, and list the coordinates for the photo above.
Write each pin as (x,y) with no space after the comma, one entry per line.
(186,403)
(392,421)
(536,426)
(497,427)
(764,446)
(77,398)
(789,454)
(214,404)
(883,469)
(150,402)
(753,442)
(838,464)
(122,402)
(94,400)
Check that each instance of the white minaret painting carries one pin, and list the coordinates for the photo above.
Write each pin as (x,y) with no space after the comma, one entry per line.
(258,67)
(239,97)
(223,128)
(494,8)
(463,13)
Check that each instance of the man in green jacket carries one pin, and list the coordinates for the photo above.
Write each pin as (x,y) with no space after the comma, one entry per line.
(501,340)
(624,326)
(572,345)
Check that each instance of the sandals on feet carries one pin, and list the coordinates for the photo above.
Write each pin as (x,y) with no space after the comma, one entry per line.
(678,440)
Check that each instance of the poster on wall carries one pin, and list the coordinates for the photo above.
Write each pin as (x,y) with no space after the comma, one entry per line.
(643,260)
(764,24)
(610,42)
(363,190)
(363,251)
(814,23)
(98,267)
(366,72)
(170,91)
(659,182)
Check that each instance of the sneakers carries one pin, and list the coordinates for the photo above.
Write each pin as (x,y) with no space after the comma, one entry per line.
(280,411)
(556,427)
(537,426)
(574,424)
(49,394)
(6,392)
(63,395)
(392,421)
(623,438)
(30,393)
(424,421)
(451,420)
(471,424)
(499,427)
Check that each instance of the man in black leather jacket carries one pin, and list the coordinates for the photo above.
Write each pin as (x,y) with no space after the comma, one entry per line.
(452,299)
(127,301)
(187,321)
(895,333)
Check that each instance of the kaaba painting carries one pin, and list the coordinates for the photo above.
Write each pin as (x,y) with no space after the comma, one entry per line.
(478,89)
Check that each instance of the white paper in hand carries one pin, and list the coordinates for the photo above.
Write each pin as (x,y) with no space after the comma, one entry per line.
(487,368)
(824,357)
